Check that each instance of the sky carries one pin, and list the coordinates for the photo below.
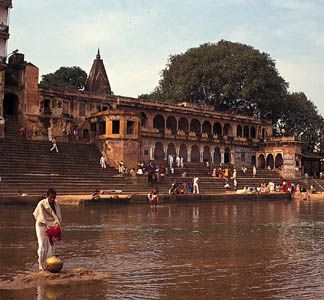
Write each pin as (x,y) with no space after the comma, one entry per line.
(136,37)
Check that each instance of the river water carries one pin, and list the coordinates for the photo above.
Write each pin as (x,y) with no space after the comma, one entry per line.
(239,250)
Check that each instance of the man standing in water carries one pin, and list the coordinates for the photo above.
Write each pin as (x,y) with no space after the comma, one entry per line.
(48,221)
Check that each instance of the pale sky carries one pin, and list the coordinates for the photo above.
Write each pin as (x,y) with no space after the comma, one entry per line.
(136,37)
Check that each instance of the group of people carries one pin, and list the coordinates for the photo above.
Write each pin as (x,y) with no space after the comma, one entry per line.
(185,187)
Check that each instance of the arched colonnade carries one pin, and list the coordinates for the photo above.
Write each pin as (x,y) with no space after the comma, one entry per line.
(200,126)
(192,152)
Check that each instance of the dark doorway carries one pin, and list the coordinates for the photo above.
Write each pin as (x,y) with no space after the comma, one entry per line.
(10,104)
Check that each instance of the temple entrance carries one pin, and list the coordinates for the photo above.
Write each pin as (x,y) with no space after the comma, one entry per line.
(171,150)
(195,154)
(158,151)
(261,161)
(278,161)
(217,156)
(10,104)
(270,161)
(206,154)
(227,156)
(183,152)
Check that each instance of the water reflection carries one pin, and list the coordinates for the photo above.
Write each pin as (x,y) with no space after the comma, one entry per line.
(252,250)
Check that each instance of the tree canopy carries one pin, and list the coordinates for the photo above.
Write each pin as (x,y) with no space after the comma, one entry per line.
(230,76)
(237,78)
(300,117)
(70,77)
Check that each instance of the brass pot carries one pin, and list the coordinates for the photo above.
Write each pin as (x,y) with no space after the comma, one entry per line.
(53,264)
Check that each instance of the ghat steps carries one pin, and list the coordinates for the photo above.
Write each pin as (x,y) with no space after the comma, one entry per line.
(28,166)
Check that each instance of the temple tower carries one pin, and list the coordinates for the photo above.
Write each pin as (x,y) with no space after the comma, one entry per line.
(97,81)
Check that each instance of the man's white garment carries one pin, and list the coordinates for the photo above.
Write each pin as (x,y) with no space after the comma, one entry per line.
(181,162)
(103,162)
(45,217)
(195,185)
(178,161)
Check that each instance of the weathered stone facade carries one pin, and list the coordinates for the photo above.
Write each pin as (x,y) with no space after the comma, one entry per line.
(133,129)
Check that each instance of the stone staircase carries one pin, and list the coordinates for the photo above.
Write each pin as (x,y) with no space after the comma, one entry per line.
(28,166)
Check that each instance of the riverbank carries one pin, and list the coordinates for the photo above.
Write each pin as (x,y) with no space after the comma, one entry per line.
(72,199)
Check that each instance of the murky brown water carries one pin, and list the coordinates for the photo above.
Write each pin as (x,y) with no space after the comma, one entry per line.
(253,250)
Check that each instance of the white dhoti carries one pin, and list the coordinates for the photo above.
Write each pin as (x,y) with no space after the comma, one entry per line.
(45,249)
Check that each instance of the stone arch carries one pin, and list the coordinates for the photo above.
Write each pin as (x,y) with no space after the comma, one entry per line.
(171,150)
(206,154)
(195,154)
(183,152)
(217,156)
(227,131)
(171,123)
(144,120)
(270,161)
(261,161)
(239,131)
(217,129)
(246,132)
(206,127)
(159,123)
(227,156)
(252,133)
(195,126)
(278,160)
(10,104)
(158,151)
(183,125)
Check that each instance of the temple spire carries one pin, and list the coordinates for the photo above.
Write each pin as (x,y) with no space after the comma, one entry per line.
(97,81)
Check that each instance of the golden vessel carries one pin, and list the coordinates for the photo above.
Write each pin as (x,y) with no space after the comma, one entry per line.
(53,264)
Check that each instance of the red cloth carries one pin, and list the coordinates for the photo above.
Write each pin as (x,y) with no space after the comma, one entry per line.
(53,233)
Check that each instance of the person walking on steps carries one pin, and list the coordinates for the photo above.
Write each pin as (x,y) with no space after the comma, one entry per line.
(54,147)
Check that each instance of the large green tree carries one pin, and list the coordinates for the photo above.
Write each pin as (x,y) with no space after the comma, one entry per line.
(70,77)
(300,117)
(230,76)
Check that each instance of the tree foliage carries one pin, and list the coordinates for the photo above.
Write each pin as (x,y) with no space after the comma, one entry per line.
(230,76)
(300,117)
(69,77)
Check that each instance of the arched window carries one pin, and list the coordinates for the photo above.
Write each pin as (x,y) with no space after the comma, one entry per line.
(159,123)
(206,127)
(183,125)
(217,129)
(143,120)
(246,132)
(171,123)
(239,131)
(195,126)
(227,130)
(253,133)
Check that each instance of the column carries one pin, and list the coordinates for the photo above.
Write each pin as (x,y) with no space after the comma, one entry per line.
(178,151)
(152,153)
(201,155)
(165,148)
(222,156)
(189,155)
